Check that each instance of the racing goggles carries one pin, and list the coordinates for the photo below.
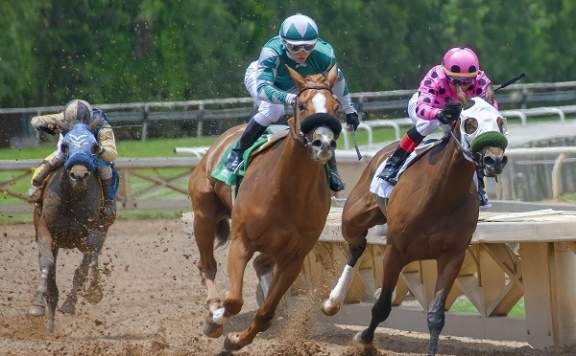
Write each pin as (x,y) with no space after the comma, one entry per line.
(295,48)
(465,82)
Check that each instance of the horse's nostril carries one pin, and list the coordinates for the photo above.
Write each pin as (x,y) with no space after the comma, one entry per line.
(333,144)
(504,161)
(317,143)
(489,161)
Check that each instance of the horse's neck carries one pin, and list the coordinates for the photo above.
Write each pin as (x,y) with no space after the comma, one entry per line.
(453,175)
(296,169)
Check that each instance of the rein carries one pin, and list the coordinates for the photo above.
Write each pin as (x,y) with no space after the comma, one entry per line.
(468,155)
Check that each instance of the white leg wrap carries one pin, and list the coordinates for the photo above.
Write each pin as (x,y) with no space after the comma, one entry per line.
(338,293)
(218,316)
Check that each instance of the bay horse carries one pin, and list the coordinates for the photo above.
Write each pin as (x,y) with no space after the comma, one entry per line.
(280,208)
(431,214)
(68,217)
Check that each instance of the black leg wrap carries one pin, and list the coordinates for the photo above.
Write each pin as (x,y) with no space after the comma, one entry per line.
(380,312)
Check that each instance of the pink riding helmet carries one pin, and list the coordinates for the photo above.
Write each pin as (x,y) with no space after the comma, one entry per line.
(461,63)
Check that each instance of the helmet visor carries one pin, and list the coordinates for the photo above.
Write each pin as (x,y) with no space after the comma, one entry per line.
(462,81)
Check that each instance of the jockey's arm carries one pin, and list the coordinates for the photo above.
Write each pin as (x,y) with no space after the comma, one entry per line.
(487,91)
(340,90)
(268,63)
(51,123)
(107,142)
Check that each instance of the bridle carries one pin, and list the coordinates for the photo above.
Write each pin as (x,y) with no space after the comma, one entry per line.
(296,133)
(475,158)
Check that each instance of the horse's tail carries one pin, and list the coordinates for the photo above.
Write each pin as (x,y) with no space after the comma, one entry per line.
(222,232)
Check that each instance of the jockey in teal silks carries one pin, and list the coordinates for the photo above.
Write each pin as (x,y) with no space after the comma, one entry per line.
(433,106)
(299,46)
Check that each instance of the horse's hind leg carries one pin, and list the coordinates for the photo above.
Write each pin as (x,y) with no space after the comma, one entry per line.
(448,269)
(283,279)
(238,257)
(393,264)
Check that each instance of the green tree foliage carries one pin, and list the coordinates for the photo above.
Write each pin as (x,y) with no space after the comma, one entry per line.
(140,50)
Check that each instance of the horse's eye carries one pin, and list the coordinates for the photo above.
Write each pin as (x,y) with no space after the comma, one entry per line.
(500,122)
(470,125)
(336,107)
(301,107)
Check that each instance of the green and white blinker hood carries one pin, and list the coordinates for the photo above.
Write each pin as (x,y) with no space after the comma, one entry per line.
(299,29)
(482,125)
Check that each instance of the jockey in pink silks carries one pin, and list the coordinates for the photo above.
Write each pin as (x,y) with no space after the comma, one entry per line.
(436,104)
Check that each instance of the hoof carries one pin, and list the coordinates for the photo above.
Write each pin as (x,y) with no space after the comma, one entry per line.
(50,325)
(359,341)
(37,310)
(231,342)
(68,308)
(212,329)
(330,309)
(94,294)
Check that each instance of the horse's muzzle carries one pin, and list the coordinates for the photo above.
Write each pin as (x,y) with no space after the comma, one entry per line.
(493,165)
(78,176)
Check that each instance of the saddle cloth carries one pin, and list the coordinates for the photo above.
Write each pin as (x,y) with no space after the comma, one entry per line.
(273,134)
(383,188)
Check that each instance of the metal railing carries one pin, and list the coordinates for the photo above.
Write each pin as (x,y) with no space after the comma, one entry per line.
(387,103)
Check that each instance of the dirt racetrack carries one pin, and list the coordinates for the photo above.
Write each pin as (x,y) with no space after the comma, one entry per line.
(154,305)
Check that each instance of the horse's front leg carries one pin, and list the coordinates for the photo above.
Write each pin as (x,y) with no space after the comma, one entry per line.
(448,269)
(46,259)
(356,220)
(238,257)
(95,242)
(285,275)
(69,306)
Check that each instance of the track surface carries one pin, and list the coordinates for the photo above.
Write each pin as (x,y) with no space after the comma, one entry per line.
(154,305)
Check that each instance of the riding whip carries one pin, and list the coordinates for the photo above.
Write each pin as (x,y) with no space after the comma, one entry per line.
(511,81)
(356,144)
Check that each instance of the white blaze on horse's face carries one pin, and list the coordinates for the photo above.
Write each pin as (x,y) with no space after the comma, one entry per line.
(319,102)
(480,118)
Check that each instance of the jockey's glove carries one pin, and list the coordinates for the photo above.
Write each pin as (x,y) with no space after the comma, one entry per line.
(352,121)
(450,113)
(290,99)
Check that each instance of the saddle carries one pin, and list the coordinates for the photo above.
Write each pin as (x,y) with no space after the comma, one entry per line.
(383,188)
(271,136)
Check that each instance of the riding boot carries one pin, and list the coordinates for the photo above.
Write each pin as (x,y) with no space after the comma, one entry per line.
(108,209)
(483,197)
(251,133)
(393,164)
(407,144)
(335,182)
(34,192)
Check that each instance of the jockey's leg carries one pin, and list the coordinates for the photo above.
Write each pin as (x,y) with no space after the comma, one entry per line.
(267,114)
(50,163)
(336,183)
(108,209)
(483,197)
(407,144)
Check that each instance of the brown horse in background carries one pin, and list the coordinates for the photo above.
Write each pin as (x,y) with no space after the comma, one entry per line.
(280,208)
(432,213)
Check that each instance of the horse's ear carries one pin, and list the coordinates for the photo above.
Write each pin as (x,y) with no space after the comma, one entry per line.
(64,147)
(490,95)
(462,98)
(95,148)
(298,79)
(332,76)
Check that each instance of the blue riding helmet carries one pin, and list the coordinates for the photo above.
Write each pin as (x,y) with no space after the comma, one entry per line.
(80,147)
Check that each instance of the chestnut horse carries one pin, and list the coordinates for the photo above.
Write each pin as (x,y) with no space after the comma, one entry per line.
(432,213)
(69,217)
(280,208)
